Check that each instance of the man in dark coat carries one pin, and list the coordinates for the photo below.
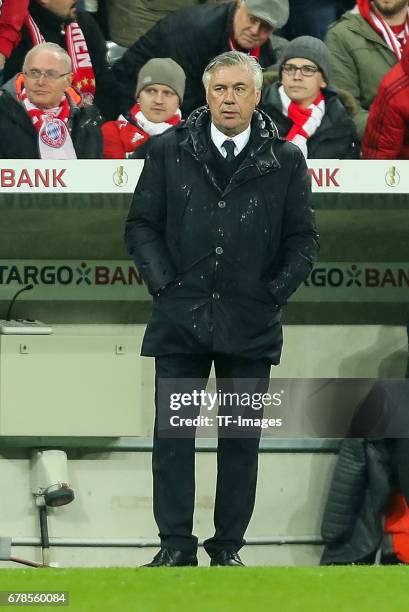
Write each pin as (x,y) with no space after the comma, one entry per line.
(222,231)
(304,107)
(57,21)
(193,36)
(40,114)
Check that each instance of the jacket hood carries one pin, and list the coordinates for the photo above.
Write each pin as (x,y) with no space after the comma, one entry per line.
(261,157)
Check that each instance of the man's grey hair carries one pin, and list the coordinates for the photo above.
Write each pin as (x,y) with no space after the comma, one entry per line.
(234,58)
(50,47)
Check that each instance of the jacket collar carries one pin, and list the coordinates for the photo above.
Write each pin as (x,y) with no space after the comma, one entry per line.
(356,23)
(260,158)
(45,18)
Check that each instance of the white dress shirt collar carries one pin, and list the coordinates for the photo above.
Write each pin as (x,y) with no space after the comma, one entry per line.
(240,140)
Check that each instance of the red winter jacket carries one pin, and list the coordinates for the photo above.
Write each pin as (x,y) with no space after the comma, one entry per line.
(12,16)
(121,138)
(387,131)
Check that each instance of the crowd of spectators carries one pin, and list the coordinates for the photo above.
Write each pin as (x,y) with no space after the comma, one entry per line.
(328,65)
(336,77)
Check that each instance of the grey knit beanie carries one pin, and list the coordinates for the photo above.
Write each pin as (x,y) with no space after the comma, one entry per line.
(274,12)
(312,49)
(162,71)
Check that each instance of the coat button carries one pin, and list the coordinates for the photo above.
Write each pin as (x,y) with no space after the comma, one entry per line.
(216,296)
(222,204)
(219,250)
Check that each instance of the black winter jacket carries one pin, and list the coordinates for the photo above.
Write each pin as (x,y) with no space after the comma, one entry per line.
(50,27)
(191,37)
(361,485)
(336,137)
(19,138)
(229,258)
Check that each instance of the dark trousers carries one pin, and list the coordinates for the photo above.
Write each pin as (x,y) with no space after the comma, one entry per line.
(173,462)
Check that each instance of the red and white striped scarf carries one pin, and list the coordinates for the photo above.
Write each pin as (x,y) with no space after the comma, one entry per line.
(38,115)
(54,140)
(306,120)
(252,52)
(370,14)
(84,78)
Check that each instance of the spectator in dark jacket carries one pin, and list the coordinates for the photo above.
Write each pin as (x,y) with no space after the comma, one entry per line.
(193,36)
(371,483)
(40,116)
(56,21)
(159,94)
(306,111)
(387,131)
(12,16)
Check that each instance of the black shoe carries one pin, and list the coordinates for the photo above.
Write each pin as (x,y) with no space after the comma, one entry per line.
(228,558)
(168,557)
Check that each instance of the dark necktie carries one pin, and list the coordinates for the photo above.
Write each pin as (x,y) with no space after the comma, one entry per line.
(229,146)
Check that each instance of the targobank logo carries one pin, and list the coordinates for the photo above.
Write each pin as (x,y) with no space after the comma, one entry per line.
(365,276)
(79,274)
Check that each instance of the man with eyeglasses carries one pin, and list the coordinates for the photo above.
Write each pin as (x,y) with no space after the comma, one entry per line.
(193,36)
(305,109)
(40,113)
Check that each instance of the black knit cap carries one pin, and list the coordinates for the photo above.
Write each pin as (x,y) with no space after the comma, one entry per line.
(312,49)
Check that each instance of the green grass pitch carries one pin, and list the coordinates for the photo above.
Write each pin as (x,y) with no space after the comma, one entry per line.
(219,589)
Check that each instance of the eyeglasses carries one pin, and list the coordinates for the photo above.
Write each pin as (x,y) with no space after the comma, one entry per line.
(50,75)
(306,70)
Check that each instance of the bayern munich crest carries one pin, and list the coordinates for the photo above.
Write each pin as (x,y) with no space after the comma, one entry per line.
(54,133)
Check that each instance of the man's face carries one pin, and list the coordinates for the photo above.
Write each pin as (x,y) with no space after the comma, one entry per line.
(46,92)
(248,31)
(388,8)
(232,98)
(158,102)
(300,88)
(62,8)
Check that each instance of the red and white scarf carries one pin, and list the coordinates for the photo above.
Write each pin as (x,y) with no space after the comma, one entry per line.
(139,129)
(252,52)
(151,128)
(84,78)
(395,43)
(54,140)
(306,120)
